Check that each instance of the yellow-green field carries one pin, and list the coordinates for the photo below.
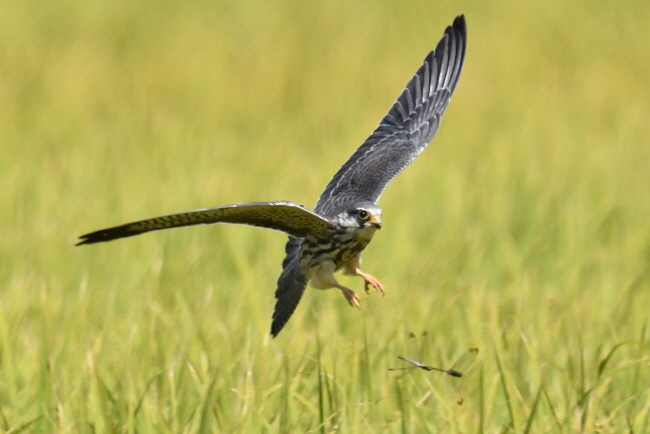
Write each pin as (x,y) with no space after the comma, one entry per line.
(523,230)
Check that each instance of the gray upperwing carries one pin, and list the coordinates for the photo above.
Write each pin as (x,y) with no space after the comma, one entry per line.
(406,129)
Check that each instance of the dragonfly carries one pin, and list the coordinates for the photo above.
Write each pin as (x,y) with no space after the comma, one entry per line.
(451,371)
(464,360)
(417,364)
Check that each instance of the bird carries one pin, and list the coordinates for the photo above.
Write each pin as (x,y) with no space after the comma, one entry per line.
(332,237)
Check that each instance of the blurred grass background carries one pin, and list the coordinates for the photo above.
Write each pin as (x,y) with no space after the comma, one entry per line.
(522,230)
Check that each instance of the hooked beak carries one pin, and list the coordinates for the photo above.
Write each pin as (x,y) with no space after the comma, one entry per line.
(376,221)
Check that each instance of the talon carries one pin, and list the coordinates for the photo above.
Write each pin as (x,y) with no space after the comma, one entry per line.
(371,281)
(351,297)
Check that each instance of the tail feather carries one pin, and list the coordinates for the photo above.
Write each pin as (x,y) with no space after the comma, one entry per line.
(291,285)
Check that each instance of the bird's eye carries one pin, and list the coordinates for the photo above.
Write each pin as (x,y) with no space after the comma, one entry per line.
(363,214)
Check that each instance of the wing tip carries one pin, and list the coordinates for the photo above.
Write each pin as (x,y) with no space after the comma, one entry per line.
(457,31)
(104,235)
(450,53)
(90,238)
(459,24)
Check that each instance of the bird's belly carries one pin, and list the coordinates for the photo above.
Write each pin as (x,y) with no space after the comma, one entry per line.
(321,260)
(321,275)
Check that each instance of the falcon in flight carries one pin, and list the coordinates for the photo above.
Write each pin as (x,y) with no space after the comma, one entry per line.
(332,237)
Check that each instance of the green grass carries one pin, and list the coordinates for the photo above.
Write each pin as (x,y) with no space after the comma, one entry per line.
(523,230)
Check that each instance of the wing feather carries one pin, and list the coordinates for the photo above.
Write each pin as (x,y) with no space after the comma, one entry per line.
(406,129)
(284,216)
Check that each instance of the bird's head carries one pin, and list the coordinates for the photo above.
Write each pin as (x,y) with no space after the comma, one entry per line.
(365,217)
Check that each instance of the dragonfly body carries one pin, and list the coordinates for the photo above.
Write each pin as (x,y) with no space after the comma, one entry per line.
(462,361)
(417,364)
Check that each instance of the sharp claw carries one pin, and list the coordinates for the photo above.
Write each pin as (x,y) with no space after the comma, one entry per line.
(371,281)
(352,298)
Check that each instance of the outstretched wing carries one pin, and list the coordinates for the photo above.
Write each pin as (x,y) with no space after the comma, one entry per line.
(406,129)
(291,285)
(284,216)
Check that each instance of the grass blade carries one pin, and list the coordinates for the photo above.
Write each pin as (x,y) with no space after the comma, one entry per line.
(506,391)
(533,410)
